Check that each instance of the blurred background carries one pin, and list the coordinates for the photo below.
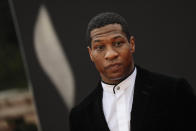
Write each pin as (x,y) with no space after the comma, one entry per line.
(17,110)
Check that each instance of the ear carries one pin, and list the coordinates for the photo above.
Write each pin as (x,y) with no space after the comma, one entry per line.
(90,53)
(132,44)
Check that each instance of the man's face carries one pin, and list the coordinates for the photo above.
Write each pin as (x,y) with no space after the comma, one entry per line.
(111,52)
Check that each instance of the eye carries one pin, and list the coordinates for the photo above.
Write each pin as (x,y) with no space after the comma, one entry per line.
(99,47)
(117,43)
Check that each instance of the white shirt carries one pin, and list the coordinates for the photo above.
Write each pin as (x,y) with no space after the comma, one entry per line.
(117,106)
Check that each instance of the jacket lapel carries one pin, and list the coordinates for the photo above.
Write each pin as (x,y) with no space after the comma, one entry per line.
(140,99)
(98,118)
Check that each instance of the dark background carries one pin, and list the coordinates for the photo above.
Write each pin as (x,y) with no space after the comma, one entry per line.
(12,73)
(165,43)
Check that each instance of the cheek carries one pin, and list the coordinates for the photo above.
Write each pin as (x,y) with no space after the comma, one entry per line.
(127,57)
(98,61)
(125,52)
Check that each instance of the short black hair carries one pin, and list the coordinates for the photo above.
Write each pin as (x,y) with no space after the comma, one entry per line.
(106,18)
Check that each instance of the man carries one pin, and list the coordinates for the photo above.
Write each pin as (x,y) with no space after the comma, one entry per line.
(129,97)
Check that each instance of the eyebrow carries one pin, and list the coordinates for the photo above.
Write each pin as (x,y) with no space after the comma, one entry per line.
(94,41)
(116,37)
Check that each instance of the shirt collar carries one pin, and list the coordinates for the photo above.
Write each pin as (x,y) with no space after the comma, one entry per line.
(122,86)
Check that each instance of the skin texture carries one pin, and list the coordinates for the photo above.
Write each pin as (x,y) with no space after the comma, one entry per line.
(112,53)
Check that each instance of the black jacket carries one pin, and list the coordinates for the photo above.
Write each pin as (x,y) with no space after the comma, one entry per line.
(160,103)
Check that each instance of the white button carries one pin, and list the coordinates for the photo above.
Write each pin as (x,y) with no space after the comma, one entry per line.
(118,88)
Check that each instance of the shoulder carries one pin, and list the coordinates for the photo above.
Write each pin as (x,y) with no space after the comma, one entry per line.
(159,78)
(163,82)
(79,115)
(88,101)
(166,88)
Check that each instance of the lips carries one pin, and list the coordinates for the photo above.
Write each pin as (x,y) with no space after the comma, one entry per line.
(114,66)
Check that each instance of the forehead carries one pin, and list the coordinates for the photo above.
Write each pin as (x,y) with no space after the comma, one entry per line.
(111,29)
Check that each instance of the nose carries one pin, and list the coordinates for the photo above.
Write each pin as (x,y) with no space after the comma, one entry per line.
(111,54)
